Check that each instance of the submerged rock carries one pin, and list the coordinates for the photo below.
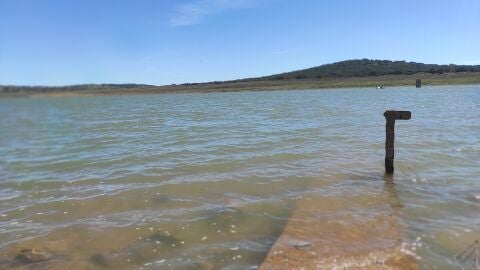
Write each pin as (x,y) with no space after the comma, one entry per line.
(34,258)
(224,217)
(361,232)
(163,239)
(138,253)
(109,260)
(200,265)
(34,255)
(160,199)
(302,244)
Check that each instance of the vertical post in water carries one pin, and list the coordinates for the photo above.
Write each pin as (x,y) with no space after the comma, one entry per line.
(418,83)
(390,117)
(389,142)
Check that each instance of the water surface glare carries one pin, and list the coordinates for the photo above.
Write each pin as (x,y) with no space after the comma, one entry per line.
(208,181)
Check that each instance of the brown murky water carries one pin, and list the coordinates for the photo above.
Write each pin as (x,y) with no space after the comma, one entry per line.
(209,181)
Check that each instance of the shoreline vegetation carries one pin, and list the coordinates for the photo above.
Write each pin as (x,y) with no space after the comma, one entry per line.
(345,74)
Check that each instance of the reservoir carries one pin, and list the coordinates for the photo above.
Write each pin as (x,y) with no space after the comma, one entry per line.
(209,181)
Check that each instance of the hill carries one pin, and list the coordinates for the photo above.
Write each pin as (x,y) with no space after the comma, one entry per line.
(366,68)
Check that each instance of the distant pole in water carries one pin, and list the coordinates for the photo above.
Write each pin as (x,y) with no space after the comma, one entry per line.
(391,116)
(418,83)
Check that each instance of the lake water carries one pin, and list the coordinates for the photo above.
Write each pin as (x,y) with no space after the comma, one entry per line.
(192,181)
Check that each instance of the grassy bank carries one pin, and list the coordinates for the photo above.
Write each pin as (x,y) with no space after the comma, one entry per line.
(247,85)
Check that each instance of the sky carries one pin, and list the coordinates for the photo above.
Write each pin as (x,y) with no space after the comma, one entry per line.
(63,42)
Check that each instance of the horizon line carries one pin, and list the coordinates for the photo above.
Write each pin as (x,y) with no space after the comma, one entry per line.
(228,80)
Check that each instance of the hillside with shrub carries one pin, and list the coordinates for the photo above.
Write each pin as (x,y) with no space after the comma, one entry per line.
(366,67)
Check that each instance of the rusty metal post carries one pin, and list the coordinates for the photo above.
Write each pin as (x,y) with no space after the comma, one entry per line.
(391,116)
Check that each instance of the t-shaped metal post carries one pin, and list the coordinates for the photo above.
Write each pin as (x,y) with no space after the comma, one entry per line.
(391,116)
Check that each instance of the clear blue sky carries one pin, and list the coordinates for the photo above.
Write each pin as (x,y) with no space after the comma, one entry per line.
(59,42)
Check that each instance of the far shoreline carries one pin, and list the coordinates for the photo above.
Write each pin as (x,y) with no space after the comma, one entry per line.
(463,78)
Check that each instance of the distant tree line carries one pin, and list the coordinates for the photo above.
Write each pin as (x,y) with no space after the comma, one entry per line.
(366,67)
(79,87)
